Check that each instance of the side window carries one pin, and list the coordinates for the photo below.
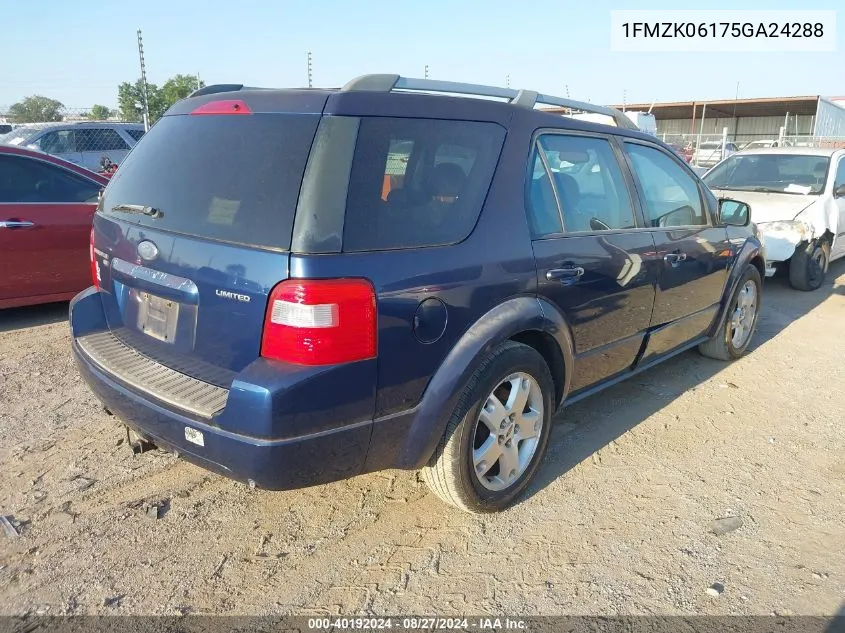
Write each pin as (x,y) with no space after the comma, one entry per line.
(671,195)
(588,181)
(99,140)
(418,182)
(57,142)
(25,180)
(543,213)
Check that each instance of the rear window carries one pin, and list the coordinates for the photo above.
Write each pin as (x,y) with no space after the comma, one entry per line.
(418,182)
(18,135)
(229,178)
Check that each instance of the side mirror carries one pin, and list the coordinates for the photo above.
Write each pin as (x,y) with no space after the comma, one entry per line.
(839,192)
(734,212)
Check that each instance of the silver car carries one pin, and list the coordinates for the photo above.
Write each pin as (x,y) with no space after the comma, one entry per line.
(91,144)
(709,153)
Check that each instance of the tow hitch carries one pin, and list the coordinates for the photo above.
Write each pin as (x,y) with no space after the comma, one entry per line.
(137,443)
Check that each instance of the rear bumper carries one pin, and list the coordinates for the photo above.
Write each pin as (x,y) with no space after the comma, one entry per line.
(277,464)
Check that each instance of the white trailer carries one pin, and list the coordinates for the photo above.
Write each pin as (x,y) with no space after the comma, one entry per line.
(643,120)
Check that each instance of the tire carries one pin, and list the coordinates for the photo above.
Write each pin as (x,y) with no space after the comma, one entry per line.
(455,472)
(726,344)
(808,266)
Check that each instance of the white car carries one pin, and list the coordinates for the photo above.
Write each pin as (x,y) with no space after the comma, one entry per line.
(797,201)
(766,143)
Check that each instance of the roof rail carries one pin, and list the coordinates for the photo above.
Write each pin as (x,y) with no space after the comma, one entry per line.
(523,98)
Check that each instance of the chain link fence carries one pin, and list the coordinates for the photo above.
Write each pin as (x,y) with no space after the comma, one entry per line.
(99,145)
(705,150)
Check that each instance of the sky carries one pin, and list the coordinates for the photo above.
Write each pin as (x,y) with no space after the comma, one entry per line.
(78,51)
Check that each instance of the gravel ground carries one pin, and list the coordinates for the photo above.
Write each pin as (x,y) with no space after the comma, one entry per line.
(621,520)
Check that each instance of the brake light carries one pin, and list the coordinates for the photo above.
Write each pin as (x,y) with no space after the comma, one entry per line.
(224,106)
(95,265)
(320,322)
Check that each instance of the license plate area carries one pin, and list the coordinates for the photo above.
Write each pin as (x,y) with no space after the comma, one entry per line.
(158,317)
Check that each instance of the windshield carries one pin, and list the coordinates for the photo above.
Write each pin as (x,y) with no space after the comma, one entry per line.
(19,135)
(797,174)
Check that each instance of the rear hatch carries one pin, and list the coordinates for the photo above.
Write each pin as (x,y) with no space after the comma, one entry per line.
(194,230)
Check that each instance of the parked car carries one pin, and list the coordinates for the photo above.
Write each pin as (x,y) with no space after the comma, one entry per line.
(708,154)
(85,143)
(766,143)
(297,286)
(798,196)
(684,151)
(46,206)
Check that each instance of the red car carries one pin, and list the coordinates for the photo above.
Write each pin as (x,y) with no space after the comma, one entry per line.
(46,208)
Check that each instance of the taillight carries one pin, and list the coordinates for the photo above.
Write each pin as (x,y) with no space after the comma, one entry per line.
(320,322)
(95,265)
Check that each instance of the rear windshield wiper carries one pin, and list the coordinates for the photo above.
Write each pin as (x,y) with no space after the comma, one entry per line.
(138,208)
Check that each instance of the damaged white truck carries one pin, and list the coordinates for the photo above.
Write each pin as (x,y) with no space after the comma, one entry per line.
(797,201)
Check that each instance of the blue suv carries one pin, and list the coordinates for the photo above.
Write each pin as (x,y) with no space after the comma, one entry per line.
(297,286)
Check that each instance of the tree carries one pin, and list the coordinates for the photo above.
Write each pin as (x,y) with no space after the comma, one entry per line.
(130,100)
(36,109)
(99,112)
(178,87)
(130,97)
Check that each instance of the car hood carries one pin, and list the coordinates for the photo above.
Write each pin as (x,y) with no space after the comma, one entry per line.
(769,207)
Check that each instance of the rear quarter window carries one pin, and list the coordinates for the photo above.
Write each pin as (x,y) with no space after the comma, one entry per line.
(418,182)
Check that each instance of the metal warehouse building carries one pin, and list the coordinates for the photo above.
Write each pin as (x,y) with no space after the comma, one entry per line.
(747,120)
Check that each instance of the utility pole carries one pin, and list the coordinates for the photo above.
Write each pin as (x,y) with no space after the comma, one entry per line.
(624,100)
(426,71)
(199,83)
(310,71)
(146,103)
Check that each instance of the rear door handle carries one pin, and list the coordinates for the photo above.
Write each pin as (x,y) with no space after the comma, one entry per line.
(674,258)
(565,275)
(16,224)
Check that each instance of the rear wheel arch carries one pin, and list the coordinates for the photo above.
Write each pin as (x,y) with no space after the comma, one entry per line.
(549,349)
(527,319)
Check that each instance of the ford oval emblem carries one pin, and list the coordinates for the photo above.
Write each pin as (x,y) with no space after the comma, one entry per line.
(147,250)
